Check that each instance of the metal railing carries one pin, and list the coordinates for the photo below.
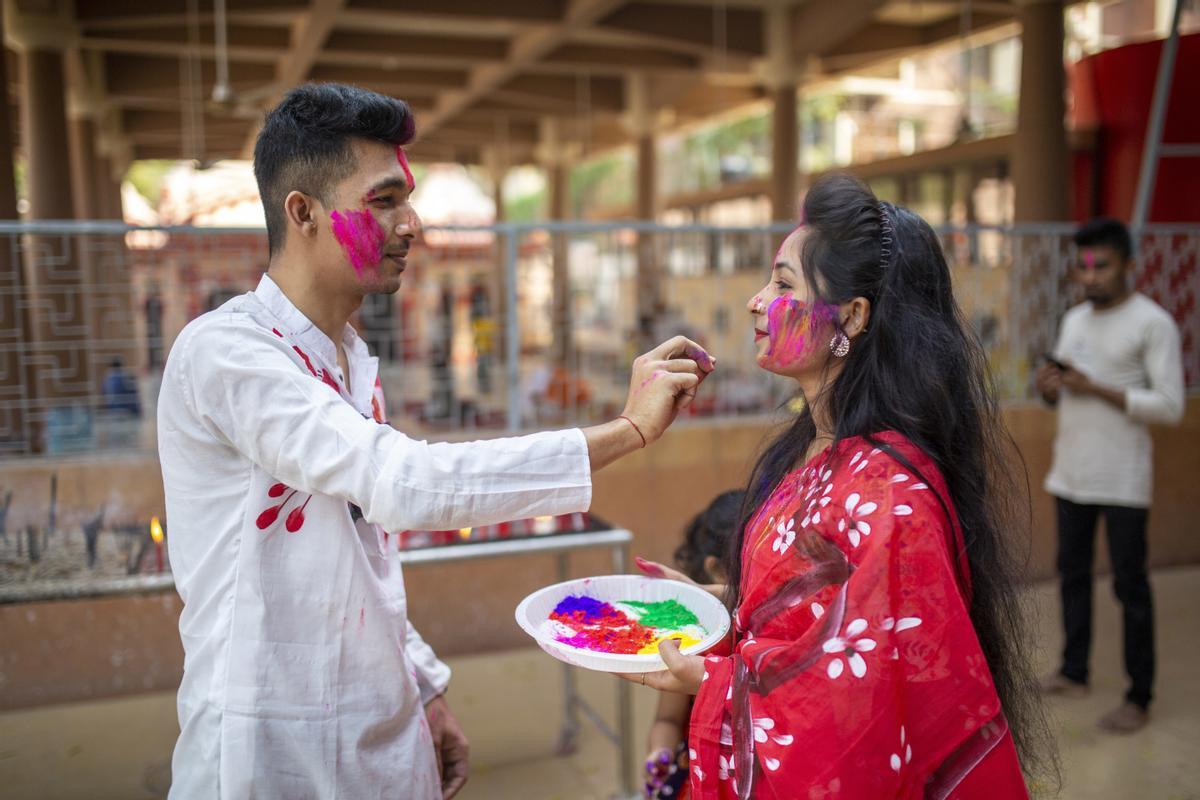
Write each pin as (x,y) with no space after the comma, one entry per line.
(474,341)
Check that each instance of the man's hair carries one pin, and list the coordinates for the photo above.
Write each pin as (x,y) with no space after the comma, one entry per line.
(1106,232)
(305,145)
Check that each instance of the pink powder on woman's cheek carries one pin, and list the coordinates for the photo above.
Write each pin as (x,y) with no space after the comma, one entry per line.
(793,329)
(787,330)
(361,237)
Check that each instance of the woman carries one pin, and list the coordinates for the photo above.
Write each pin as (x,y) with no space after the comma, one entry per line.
(874,648)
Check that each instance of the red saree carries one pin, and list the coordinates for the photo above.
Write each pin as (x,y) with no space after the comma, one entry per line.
(855,670)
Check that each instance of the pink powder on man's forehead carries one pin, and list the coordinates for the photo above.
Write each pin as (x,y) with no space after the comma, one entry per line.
(1089,258)
(361,237)
(402,157)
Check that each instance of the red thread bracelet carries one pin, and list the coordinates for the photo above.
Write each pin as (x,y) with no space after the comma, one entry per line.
(635,427)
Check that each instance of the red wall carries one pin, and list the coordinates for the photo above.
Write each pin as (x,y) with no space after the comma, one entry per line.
(1112,95)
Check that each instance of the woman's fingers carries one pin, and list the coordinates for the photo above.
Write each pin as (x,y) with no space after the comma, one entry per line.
(688,671)
(654,569)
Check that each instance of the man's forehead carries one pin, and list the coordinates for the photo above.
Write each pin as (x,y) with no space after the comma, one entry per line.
(378,161)
(1097,255)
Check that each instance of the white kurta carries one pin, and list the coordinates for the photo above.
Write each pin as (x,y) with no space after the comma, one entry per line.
(302,677)
(1102,455)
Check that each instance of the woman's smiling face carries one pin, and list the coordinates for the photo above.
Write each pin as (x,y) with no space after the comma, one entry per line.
(789,325)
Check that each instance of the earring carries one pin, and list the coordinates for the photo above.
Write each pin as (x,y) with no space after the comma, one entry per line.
(839,345)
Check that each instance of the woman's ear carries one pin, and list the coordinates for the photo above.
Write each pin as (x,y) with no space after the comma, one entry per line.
(855,316)
(715,569)
(300,210)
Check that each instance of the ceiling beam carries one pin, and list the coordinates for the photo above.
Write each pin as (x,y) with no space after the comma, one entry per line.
(602,58)
(260,54)
(132,13)
(540,11)
(720,29)
(527,48)
(309,33)
(397,45)
(130,74)
(427,79)
(823,24)
(882,42)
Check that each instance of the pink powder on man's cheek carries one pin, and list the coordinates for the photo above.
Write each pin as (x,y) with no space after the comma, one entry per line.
(402,157)
(361,237)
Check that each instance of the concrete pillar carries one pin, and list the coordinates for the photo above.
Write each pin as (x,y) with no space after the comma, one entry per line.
(552,153)
(15,370)
(495,162)
(779,74)
(86,199)
(1040,160)
(639,121)
(785,133)
(63,376)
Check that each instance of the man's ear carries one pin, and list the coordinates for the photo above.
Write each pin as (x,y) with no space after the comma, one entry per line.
(301,212)
(855,315)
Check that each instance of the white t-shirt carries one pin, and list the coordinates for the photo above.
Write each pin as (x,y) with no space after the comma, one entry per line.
(1102,455)
(302,677)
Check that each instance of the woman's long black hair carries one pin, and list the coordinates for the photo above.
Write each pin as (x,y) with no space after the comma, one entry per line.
(920,371)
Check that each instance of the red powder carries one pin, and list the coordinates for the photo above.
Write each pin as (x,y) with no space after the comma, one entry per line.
(403,159)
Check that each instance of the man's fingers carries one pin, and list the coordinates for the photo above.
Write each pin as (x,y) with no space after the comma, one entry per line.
(453,784)
(683,346)
(681,365)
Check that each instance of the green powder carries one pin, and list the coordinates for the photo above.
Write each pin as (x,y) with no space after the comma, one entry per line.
(669,614)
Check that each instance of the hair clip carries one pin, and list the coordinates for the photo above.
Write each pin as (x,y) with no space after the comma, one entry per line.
(885,236)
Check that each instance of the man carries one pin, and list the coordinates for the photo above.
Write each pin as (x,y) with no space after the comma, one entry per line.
(302,677)
(1115,369)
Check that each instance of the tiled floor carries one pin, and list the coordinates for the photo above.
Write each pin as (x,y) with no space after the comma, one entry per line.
(511,706)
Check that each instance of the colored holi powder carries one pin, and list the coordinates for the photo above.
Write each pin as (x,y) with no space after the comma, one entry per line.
(402,157)
(682,639)
(665,614)
(793,328)
(700,357)
(600,626)
(361,237)
(589,610)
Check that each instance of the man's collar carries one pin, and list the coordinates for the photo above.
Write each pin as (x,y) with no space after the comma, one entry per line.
(301,330)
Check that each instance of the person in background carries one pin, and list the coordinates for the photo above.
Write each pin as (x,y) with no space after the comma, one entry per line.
(700,559)
(120,390)
(1115,369)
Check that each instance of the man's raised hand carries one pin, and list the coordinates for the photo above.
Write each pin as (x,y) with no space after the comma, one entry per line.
(664,382)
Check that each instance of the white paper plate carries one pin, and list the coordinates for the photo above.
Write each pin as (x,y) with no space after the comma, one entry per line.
(535,609)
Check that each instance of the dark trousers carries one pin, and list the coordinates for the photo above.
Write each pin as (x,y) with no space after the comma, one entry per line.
(1126,528)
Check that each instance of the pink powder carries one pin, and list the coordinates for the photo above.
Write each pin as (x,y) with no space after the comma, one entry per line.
(794,328)
(403,159)
(361,237)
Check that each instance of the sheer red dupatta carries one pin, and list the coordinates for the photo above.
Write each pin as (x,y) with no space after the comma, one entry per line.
(855,672)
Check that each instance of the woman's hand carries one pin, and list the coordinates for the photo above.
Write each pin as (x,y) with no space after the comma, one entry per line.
(683,675)
(653,569)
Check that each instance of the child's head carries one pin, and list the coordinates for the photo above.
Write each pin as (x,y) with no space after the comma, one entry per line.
(702,554)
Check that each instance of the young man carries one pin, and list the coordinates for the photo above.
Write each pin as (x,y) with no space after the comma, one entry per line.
(302,677)
(1118,369)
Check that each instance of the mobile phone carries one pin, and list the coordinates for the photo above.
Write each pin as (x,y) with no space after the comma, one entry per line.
(1050,359)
